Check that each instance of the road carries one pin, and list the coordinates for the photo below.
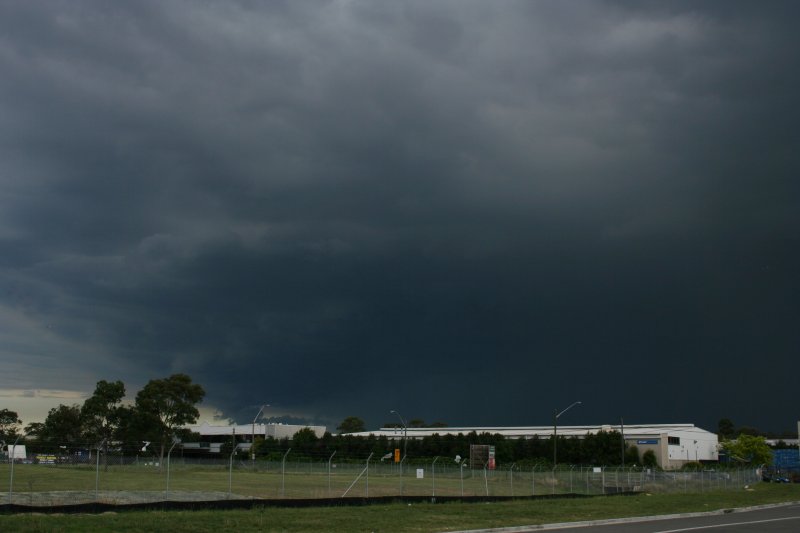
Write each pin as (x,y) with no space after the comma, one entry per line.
(783,519)
(775,519)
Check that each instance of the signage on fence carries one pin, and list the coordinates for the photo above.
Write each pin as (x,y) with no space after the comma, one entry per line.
(492,464)
(397,455)
(420,473)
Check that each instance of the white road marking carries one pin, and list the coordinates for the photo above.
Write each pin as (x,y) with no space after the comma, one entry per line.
(728,525)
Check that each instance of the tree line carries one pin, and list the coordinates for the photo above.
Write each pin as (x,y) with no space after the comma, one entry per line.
(158,415)
(601,448)
(164,406)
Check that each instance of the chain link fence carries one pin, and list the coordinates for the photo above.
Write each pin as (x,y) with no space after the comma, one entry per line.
(136,479)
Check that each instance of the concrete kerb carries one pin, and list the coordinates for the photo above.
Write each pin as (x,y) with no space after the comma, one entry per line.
(627,520)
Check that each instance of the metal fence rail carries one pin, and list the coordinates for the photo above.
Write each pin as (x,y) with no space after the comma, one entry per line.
(131,479)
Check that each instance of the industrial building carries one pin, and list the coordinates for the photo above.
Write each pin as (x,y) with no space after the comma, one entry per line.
(673,444)
(212,437)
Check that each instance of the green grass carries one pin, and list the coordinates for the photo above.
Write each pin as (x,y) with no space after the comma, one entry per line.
(303,483)
(294,484)
(403,517)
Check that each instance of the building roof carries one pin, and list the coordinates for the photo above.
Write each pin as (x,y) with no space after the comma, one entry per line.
(247,429)
(516,432)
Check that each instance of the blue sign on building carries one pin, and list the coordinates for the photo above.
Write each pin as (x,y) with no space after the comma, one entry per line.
(786,459)
(647,441)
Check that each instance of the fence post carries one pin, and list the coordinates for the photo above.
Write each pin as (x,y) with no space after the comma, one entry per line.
(97,471)
(358,477)
(486,477)
(570,478)
(511,472)
(329,472)
(588,471)
(174,443)
(461,467)
(283,473)
(433,476)
(230,469)
(11,457)
(367,487)
(603,478)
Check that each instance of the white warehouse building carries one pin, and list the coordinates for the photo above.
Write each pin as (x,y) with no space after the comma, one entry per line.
(673,444)
(213,437)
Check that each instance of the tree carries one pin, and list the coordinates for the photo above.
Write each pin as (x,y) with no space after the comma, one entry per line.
(100,414)
(34,429)
(304,441)
(649,459)
(747,430)
(9,422)
(725,429)
(62,427)
(632,455)
(168,404)
(748,449)
(351,424)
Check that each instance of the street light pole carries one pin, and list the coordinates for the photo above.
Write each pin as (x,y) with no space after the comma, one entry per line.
(253,436)
(556,415)
(405,431)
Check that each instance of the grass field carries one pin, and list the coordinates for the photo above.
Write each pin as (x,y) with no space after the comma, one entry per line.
(117,484)
(402,517)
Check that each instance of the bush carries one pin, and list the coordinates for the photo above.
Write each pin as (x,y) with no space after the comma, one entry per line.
(649,459)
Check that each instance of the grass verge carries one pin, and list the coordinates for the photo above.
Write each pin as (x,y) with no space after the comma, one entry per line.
(405,518)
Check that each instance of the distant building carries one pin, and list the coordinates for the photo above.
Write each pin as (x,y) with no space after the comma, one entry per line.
(673,444)
(212,438)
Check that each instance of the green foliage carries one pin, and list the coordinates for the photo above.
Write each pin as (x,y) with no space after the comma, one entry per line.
(747,430)
(9,424)
(165,405)
(632,455)
(748,449)
(598,449)
(649,459)
(62,427)
(100,414)
(725,429)
(304,441)
(351,424)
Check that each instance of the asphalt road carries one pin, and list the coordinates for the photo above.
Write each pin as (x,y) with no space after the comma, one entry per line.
(773,519)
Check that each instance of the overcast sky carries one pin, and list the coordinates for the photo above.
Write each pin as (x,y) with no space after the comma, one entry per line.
(469,212)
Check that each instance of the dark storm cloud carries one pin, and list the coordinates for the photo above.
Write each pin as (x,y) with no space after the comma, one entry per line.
(465,211)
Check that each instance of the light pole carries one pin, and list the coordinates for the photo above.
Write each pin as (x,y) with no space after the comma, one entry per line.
(405,437)
(253,436)
(556,415)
